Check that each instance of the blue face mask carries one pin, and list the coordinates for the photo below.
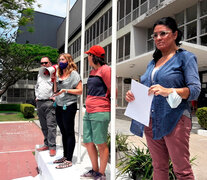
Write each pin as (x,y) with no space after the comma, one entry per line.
(63,65)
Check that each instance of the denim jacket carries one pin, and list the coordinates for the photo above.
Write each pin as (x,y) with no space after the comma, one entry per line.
(180,71)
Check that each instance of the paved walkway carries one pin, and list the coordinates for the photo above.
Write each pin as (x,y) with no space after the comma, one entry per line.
(198,146)
(17,144)
(18,141)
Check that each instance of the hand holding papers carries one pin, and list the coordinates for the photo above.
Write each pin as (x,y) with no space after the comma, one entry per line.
(139,109)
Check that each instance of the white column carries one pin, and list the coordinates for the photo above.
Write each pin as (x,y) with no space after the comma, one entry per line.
(198,23)
(67,26)
(113,88)
(81,74)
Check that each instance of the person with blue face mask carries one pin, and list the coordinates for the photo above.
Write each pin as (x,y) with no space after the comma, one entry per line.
(68,87)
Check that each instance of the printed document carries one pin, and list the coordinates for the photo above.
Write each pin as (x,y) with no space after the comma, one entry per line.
(139,109)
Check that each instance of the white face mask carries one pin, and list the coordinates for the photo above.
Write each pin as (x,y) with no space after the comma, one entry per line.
(174,99)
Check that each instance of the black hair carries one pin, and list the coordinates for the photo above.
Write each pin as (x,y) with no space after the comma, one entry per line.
(170,23)
(97,60)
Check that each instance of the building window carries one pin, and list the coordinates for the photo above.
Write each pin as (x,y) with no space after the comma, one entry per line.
(127,46)
(123,48)
(204,40)
(110,18)
(149,33)
(135,4)
(78,66)
(191,30)
(84,92)
(87,36)
(121,9)
(94,31)
(69,50)
(204,25)
(203,7)
(120,49)
(16,92)
(180,18)
(10,92)
(109,54)
(91,33)
(191,13)
(150,41)
(97,28)
(106,22)
(101,25)
(182,30)
(128,7)
(30,93)
(22,92)
(86,67)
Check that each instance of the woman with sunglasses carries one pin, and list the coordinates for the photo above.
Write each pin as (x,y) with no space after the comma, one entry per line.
(69,85)
(172,76)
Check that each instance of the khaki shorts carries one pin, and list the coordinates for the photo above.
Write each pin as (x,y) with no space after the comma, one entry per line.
(95,127)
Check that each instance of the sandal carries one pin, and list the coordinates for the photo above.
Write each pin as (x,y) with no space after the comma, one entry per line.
(65,164)
(61,160)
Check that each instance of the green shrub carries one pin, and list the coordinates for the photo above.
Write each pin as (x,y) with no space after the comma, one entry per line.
(27,110)
(9,107)
(121,142)
(201,113)
(137,163)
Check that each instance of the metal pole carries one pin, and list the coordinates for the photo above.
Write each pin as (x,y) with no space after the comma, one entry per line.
(113,89)
(67,26)
(81,74)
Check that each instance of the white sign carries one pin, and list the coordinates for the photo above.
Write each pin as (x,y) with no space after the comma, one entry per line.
(139,109)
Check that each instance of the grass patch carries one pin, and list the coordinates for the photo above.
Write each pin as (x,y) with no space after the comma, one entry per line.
(14,116)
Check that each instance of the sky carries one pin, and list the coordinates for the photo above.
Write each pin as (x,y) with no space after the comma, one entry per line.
(54,7)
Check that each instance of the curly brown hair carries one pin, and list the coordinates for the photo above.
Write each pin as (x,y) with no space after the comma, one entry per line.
(71,64)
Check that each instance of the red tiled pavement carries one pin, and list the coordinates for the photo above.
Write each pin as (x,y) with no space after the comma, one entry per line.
(17,142)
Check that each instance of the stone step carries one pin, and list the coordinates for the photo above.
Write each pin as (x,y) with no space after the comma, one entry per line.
(28,178)
(47,170)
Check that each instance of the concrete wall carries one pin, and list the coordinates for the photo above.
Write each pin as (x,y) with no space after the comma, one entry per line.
(76,16)
(45,30)
(138,41)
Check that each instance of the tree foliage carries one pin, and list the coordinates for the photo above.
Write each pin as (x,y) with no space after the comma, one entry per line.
(16,61)
(15,13)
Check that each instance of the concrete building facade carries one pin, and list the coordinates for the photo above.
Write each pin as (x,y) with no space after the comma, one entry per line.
(135,46)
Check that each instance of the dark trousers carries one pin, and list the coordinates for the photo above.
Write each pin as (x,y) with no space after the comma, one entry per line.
(46,114)
(66,122)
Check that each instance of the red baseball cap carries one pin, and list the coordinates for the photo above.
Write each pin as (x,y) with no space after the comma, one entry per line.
(97,51)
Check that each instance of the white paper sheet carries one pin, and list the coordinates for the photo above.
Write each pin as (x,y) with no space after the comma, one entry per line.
(139,109)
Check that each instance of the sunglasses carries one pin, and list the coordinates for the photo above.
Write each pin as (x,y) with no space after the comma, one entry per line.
(161,34)
(43,63)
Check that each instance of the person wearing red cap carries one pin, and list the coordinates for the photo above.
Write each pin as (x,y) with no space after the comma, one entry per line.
(97,115)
